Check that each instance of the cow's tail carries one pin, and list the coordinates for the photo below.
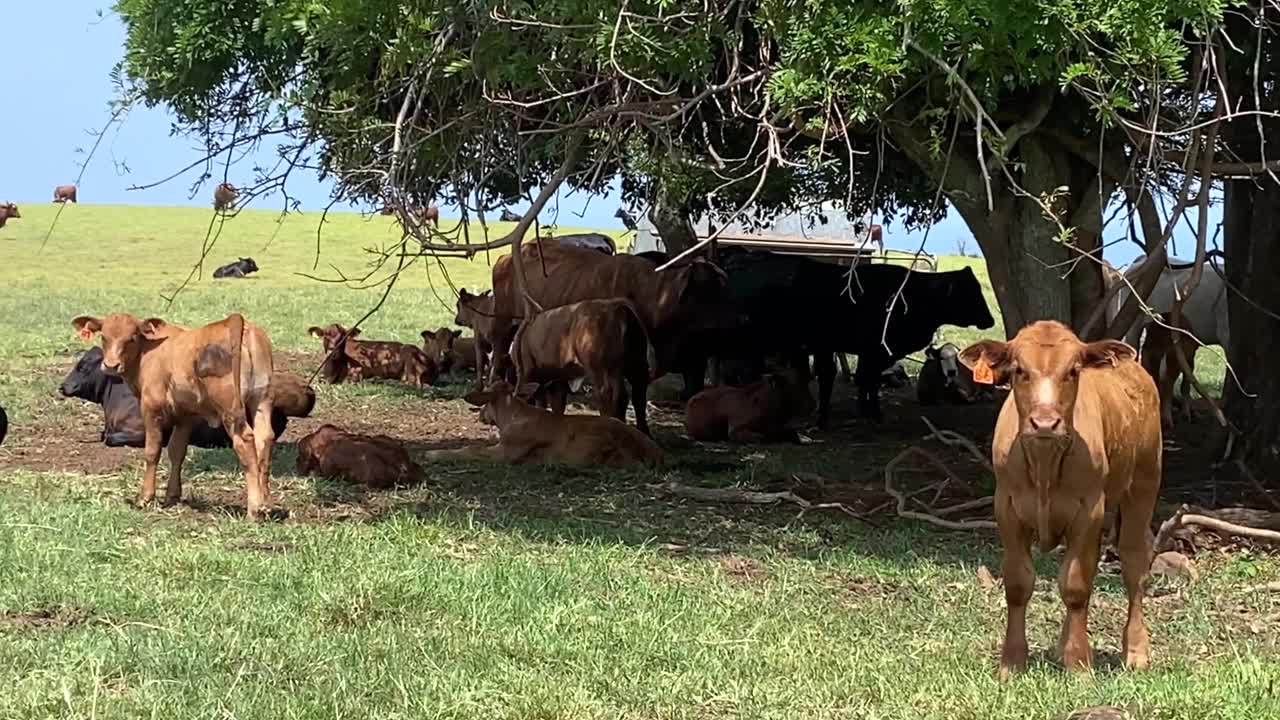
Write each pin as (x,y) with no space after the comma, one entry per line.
(236,323)
(637,329)
(516,357)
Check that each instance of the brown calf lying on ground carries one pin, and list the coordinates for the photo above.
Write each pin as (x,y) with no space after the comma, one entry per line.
(377,462)
(529,435)
(224,196)
(1160,360)
(360,359)
(476,312)
(8,210)
(759,412)
(63,193)
(221,372)
(601,340)
(1078,435)
(449,350)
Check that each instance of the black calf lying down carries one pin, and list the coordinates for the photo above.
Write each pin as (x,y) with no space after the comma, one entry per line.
(123,416)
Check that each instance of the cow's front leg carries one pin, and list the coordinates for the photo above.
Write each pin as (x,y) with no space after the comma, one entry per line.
(867,378)
(154,428)
(824,366)
(1075,583)
(178,441)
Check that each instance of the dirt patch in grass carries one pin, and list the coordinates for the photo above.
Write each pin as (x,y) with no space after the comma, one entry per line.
(743,570)
(43,618)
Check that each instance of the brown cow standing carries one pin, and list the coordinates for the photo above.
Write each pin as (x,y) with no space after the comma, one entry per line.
(601,340)
(759,412)
(428,214)
(1078,435)
(674,304)
(372,358)
(377,462)
(224,197)
(63,193)
(476,312)
(8,210)
(529,435)
(218,373)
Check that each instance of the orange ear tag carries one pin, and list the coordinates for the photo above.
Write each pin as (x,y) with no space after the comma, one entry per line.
(982,372)
(86,334)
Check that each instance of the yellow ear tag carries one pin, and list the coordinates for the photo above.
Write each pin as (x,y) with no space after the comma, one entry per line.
(982,372)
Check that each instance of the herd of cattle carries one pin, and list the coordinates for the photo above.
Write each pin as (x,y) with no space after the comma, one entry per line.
(1079,435)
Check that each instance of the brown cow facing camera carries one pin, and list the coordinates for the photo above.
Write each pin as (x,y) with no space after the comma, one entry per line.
(759,412)
(7,211)
(64,193)
(360,359)
(529,435)
(449,350)
(220,373)
(374,461)
(1078,435)
(602,340)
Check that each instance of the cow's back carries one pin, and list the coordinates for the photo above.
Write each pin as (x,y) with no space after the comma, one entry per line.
(559,275)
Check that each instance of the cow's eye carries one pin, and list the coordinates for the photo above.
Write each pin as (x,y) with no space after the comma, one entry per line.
(1019,373)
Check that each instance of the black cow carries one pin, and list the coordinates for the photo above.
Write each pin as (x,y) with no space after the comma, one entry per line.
(628,221)
(797,305)
(590,241)
(657,257)
(122,414)
(4,424)
(508,216)
(237,269)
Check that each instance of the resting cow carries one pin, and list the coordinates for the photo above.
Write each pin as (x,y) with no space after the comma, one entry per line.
(64,193)
(376,462)
(122,415)
(508,216)
(676,305)
(450,351)
(8,210)
(218,373)
(798,303)
(603,341)
(360,359)
(237,269)
(943,380)
(1078,435)
(529,435)
(224,197)
(759,412)
(587,241)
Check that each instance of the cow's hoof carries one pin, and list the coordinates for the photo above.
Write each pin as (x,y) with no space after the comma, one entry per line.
(171,500)
(143,502)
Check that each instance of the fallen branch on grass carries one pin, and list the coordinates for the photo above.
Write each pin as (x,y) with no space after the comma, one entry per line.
(749,497)
(950,438)
(933,518)
(1184,518)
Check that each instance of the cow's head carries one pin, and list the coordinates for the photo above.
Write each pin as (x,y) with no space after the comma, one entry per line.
(473,309)
(496,401)
(963,304)
(793,384)
(333,335)
(1043,364)
(124,338)
(9,210)
(247,265)
(86,380)
(438,346)
(948,358)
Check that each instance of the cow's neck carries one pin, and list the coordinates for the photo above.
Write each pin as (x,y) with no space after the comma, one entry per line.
(150,362)
(1044,470)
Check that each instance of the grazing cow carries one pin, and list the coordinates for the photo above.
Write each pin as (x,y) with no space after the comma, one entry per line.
(376,461)
(122,415)
(944,380)
(589,241)
(476,312)
(529,435)
(1160,360)
(218,373)
(628,221)
(372,358)
(224,197)
(676,305)
(1079,435)
(64,193)
(508,216)
(759,412)
(603,341)
(799,303)
(238,269)
(8,210)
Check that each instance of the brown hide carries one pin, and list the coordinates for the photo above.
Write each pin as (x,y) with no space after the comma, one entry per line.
(7,211)
(372,358)
(64,193)
(669,302)
(759,412)
(476,312)
(221,372)
(376,462)
(224,196)
(602,340)
(449,350)
(1078,434)
(529,435)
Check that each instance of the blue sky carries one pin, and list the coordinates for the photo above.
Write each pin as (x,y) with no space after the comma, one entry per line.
(57,58)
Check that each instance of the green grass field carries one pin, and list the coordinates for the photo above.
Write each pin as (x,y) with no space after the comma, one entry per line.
(498,593)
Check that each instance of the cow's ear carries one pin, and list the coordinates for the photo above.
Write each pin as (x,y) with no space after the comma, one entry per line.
(455,333)
(1106,354)
(428,335)
(463,294)
(989,360)
(87,326)
(315,331)
(479,398)
(152,327)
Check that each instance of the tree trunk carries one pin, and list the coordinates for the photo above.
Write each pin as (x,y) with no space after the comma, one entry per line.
(1251,242)
(670,217)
